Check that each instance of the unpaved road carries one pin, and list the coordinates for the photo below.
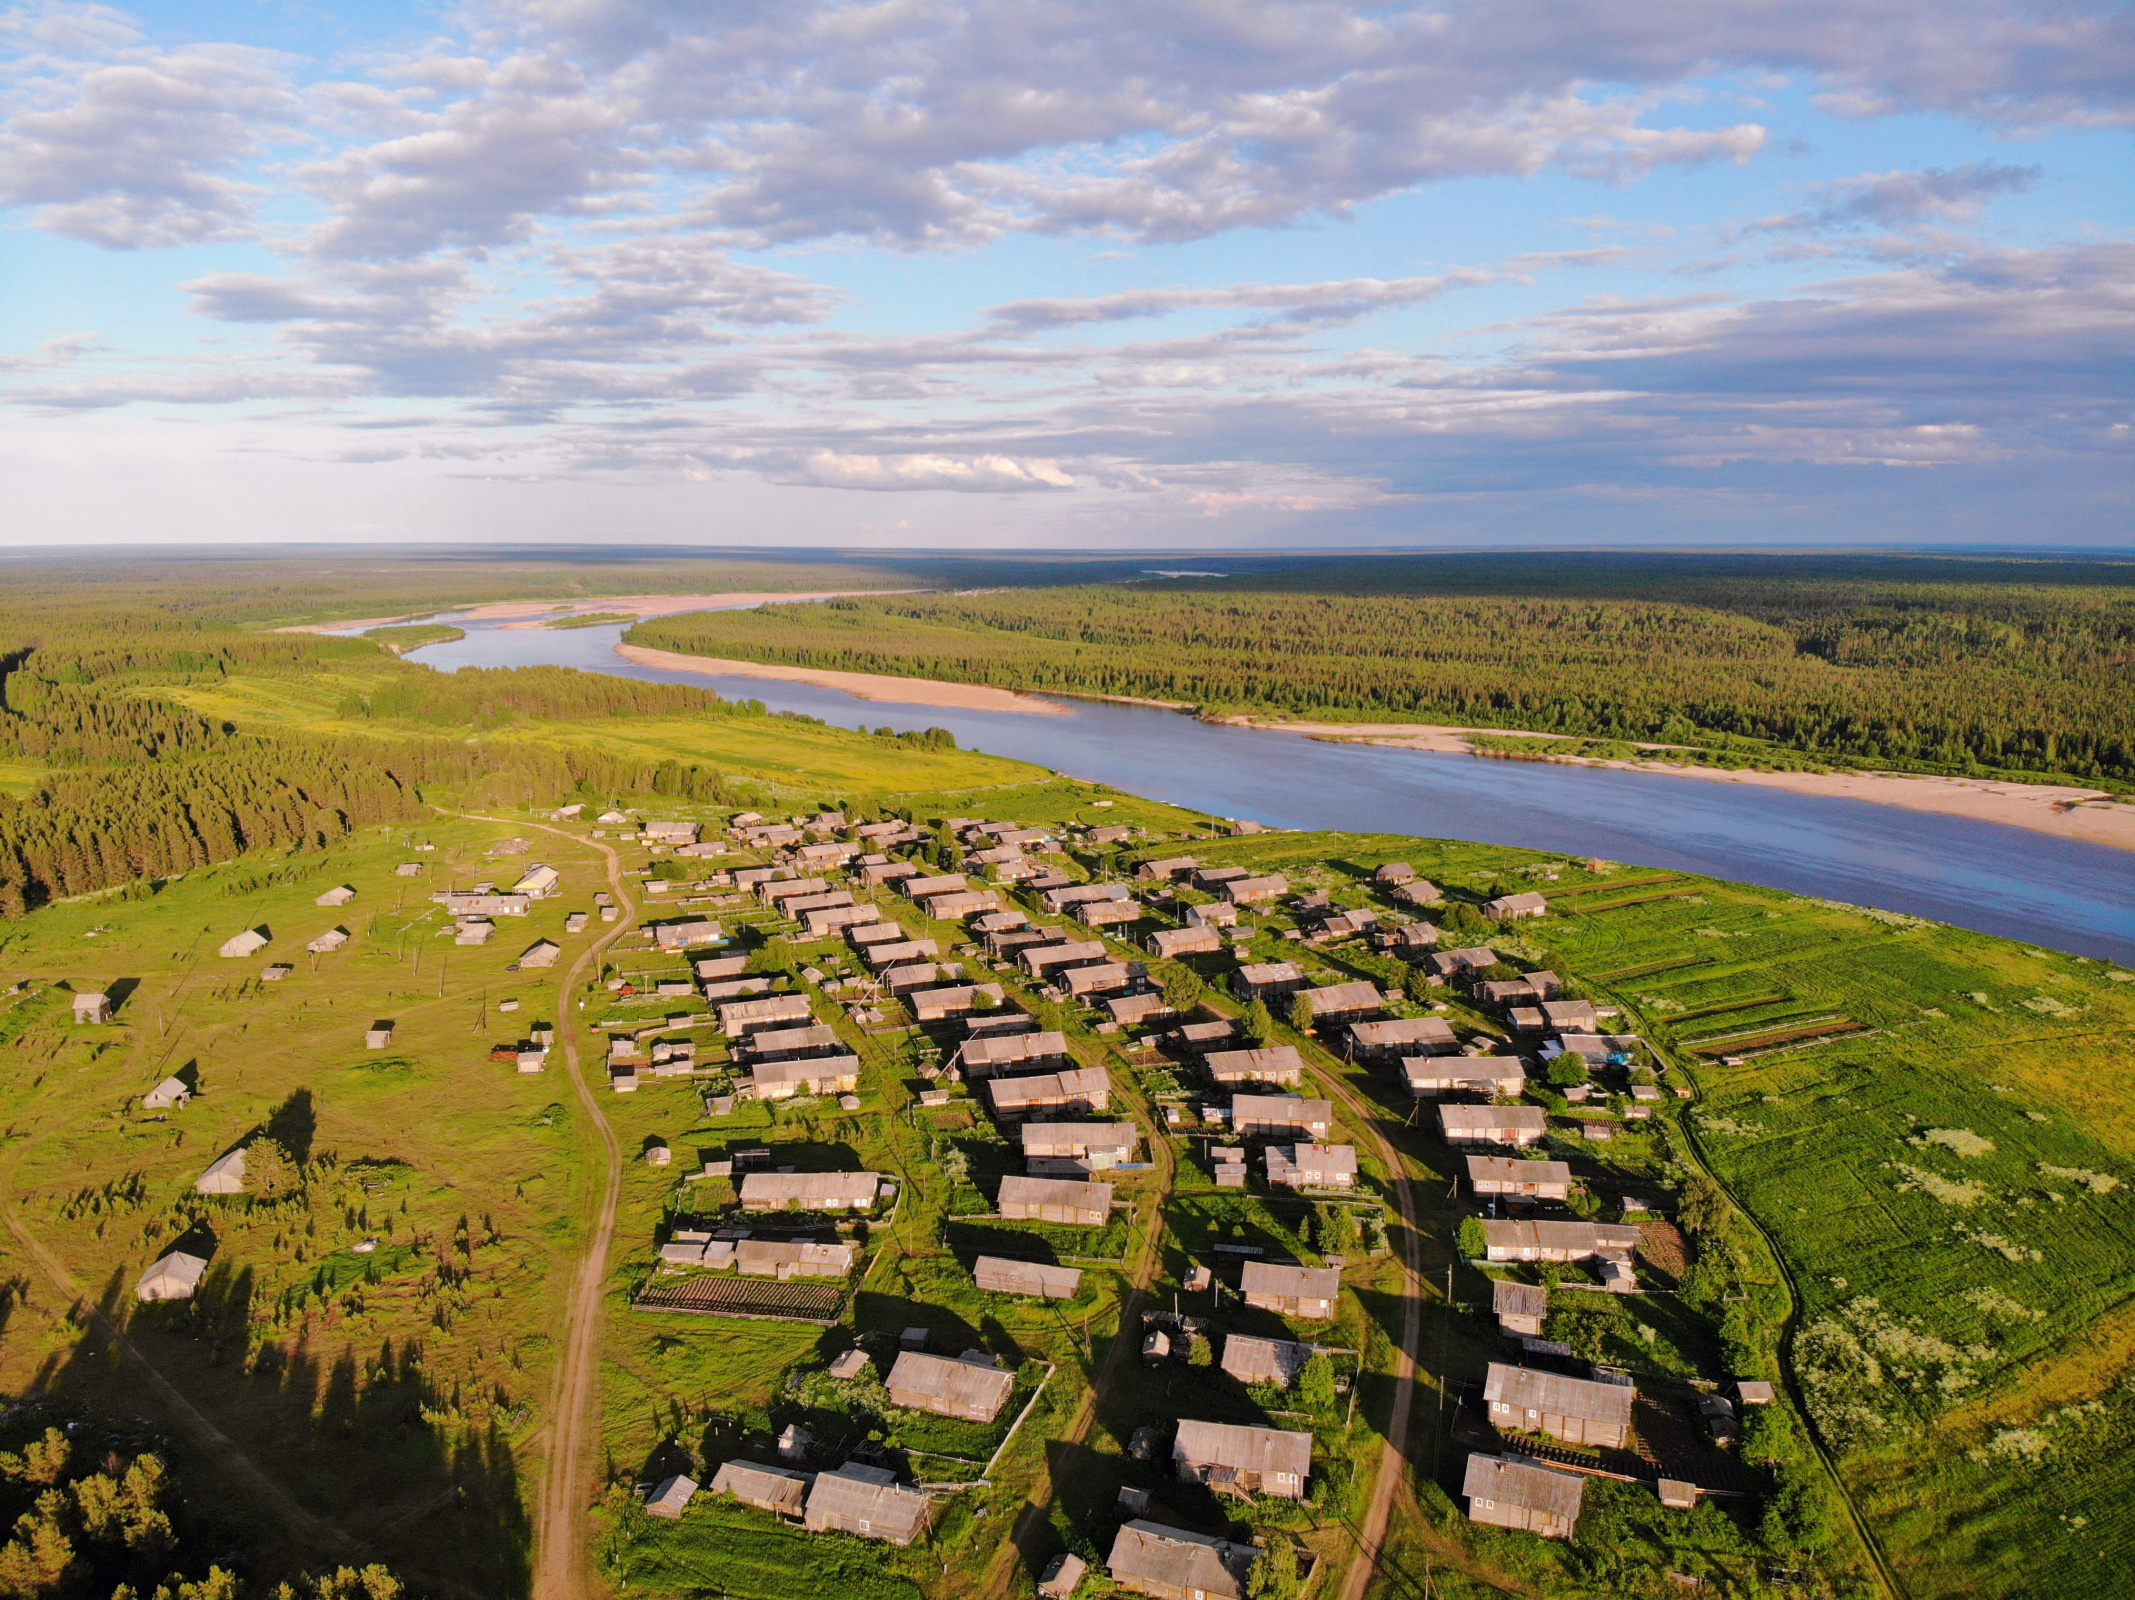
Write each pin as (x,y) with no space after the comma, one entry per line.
(561,1570)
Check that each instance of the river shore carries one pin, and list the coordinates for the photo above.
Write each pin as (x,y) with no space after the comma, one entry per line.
(860,685)
(2091,815)
(537,613)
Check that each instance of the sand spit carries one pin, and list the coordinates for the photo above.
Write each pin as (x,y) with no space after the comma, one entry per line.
(861,685)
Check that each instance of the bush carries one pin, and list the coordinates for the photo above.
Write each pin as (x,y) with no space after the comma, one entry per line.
(1257,1023)
(1472,1243)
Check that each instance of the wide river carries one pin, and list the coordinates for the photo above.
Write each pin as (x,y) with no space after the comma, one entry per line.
(2056,892)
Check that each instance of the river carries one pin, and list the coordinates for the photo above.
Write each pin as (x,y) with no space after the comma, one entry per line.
(2045,890)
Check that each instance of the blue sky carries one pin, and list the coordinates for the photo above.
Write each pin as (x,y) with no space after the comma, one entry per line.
(1165,274)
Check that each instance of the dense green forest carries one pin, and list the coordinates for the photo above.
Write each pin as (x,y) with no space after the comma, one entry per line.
(140,787)
(1953,667)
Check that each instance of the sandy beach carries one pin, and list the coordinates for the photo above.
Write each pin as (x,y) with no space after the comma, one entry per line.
(861,685)
(534,613)
(2087,814)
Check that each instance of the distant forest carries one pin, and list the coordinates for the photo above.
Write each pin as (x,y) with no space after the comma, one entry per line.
(138,786)
(2024,668)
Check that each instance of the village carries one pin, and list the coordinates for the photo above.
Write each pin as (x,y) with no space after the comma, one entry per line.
(1177,971)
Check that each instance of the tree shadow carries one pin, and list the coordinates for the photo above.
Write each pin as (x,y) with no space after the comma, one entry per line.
(294,1124)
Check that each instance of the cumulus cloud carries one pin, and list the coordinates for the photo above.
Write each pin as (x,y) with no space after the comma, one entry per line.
(137,154)
(830,469)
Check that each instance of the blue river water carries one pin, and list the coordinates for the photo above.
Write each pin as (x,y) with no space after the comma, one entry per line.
(2045,890)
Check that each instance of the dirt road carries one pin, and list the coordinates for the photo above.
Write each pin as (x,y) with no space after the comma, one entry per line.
(560,1555)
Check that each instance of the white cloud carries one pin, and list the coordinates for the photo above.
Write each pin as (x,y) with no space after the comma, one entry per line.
(831,469)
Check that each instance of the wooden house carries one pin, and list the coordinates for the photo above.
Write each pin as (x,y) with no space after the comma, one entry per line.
(1082,1089)
(1513,1125)
(779,892)
(1275,1361)
(1510,1240)
(865,1501)
(1167,870)
(170,1094)
(1574,1410)
(1176,1564)
(1452,964)
(339,896)
(1511,1492)
(1529,1180)
(1097,1144)
(240,945)
(1254,891)
(779,1490)
(1512,907)
(781,1080)
(1032,1279)
(1171,943)
(1394,874)
(883,955)
(1206,1038)
(1402,1036)
(541,953)
(1281,1064)
(1275,1115)
(1308,1292)
(793,1258)
(225,1175)
(744,1017)
(687,934)
(1136,1010)
(1312,1166)
(971,1387)
(1340,1002)
(1242,1459)
(968,903)
(1065,1200)
(1427,1077)
(1521,1308)
(1266,980)
(1043,960)
(810,1191)
(983,1057)
(1097,978)
(538,882)
(1080,894)
(938,1005)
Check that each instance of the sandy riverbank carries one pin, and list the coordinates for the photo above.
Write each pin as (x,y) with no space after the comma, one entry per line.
(2086,814)
(535,613)
(860,685)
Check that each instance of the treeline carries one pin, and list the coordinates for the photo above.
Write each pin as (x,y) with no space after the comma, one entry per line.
(1951,677)
(146,789)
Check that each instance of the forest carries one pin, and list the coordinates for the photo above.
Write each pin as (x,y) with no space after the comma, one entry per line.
(1971,667)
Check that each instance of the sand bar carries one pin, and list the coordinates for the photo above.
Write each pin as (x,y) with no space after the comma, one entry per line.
(861,685)
(2087,814)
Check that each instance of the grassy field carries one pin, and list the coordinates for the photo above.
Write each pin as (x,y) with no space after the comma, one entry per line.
(1920,1128)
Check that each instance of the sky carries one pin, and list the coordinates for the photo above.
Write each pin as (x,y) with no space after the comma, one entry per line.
(1118,274)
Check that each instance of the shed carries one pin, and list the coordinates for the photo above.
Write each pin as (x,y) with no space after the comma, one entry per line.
(331,939)
(671,1498)
(1308,1292)
(171,1092)
(1064,1200)
(1275,1361)
(336,897)
(1514,1493)
(1403,1036)
(225,1176)
(1281,1064)
(779,1490)
(1178,1564)
(174,1277)
(967,1389)
(541,953)
(998,1275)
(1241,1458)
(379,1037)
(240,945)
(1521,1308)
(1061,1576)
(1575,1410)
(92,1006)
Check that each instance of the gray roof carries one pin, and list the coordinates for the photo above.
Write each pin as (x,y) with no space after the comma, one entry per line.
(1231,1444)
(961,1384)
(1281,1059)
(1297,1283)
(1526,1389)
(1525,1119)
(1399,1031)
(1069,1192)
(1083,1083)
(1337,997)
(1281,1110)
(854,1494)
(1178,1559)
(1511,1169)
(1263,1360)
(810,1188)
(1510,1299)
(1082,1135)
(1013,1047)
(1524,1485)
(1591,1237)
(999,1275)
(778,1487)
